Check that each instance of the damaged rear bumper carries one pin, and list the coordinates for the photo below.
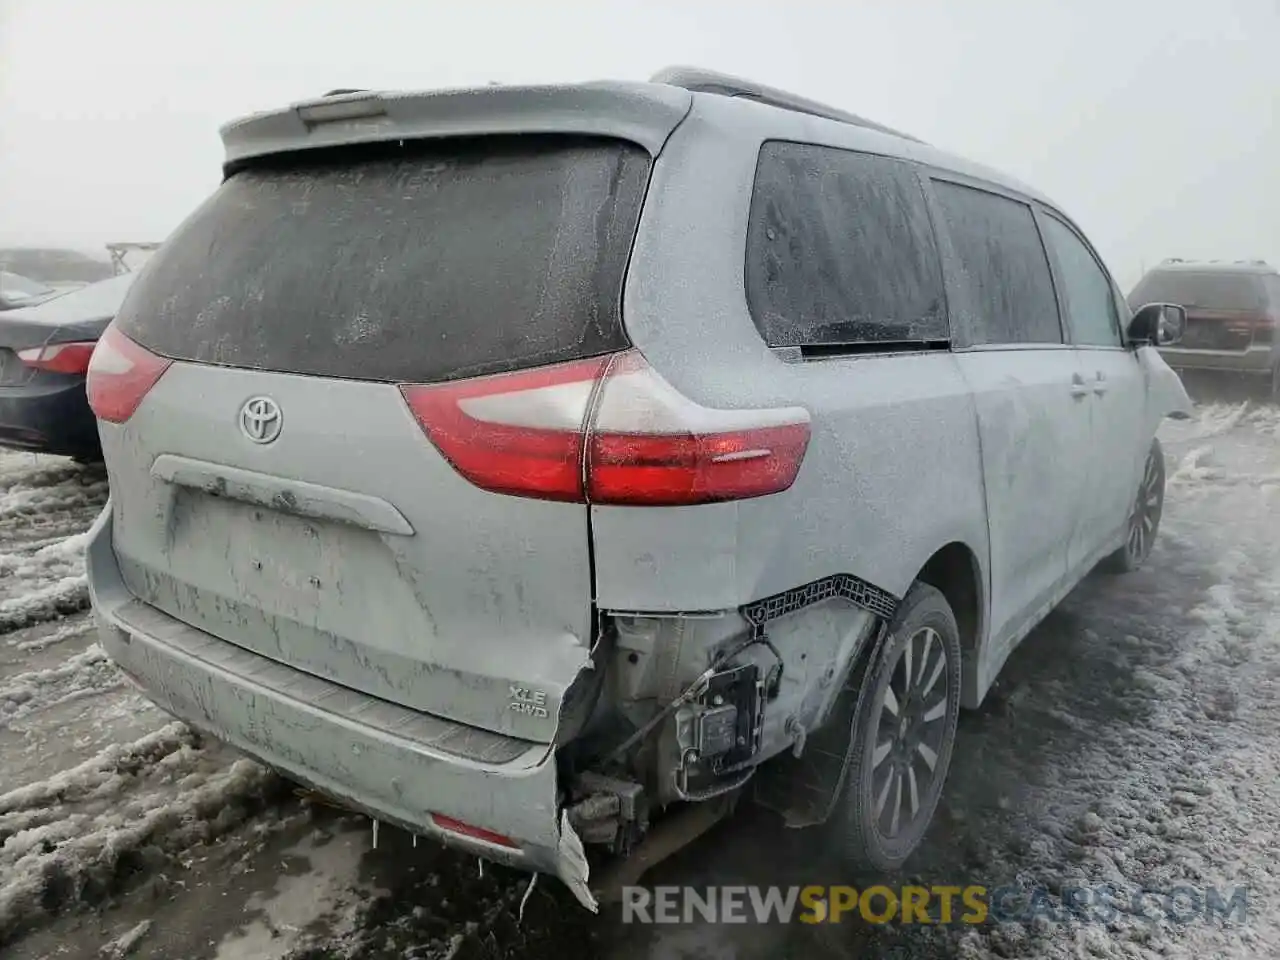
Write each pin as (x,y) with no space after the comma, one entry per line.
(395,764)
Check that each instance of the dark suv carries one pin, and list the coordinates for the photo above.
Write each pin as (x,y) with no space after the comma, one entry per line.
(1232,309)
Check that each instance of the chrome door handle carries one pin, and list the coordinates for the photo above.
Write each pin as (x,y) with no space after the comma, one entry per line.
(1078,388)
(1100,385)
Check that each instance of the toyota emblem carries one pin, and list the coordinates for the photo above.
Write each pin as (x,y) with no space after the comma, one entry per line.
(260,419)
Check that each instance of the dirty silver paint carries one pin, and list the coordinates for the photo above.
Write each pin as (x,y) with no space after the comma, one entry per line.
(985,448)
(298,550)
(393,763)
(349,554)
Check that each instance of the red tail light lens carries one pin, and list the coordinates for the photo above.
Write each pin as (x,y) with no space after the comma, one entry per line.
(59,357)
(517,433)
(450,825)
(607,431)
(120,374)
(652,446)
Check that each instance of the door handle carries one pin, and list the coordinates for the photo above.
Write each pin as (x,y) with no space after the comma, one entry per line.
(1100,385)
(1078,388)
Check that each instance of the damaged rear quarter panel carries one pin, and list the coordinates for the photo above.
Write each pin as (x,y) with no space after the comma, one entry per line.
(892,471)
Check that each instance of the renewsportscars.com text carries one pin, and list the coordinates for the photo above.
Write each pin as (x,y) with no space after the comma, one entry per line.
(941,904)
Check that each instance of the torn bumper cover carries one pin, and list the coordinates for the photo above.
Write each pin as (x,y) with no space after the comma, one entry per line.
(397,765)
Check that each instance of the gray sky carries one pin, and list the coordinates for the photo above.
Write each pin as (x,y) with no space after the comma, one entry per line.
(1153,123)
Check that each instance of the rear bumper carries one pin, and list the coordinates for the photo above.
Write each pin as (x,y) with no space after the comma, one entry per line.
(394,764)
(1253,360)
(48,418)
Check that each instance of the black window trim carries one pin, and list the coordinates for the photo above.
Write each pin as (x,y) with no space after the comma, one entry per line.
(1042,210)
(941,175)
(841,351)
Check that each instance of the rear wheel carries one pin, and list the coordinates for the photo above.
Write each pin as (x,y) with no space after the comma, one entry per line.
(903,735)
(1144,519)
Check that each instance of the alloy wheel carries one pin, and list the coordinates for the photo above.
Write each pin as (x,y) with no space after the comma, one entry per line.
(910,735)
(1146,510)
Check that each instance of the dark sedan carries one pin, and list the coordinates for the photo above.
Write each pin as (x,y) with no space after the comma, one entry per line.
(19,291)
(44,353)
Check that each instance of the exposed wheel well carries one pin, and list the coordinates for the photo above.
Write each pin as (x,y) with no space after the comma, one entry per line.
(954,571)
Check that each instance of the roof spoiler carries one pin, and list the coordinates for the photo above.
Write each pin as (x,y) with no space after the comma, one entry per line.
(697,80)
(643,113)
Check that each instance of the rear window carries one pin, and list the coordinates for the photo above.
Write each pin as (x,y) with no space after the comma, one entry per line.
(1213,291)
(840,250)
(445,259)
(1271,283)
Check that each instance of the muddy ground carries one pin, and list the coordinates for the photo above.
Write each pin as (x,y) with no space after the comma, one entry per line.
(1132,739)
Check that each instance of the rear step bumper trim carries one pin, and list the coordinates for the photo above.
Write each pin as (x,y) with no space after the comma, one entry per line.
(1255,359)
(368,753)
(288,496)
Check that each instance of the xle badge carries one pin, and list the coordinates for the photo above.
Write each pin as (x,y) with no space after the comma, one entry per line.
(531,702)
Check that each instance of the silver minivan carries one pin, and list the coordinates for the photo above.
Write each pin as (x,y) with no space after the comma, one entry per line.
(525,465)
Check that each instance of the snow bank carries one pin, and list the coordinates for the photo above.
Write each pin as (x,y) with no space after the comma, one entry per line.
(1195,465)
(78,836)
(18,470)
(84,674)
(37,490)
(68,631)
(42,584)
(1216,419)
(21,500)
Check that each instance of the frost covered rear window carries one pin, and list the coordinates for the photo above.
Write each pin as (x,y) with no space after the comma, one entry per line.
(433,261)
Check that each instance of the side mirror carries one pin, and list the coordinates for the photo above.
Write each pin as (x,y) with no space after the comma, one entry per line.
(1159,324)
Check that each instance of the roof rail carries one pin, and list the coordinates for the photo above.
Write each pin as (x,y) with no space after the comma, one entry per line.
(1233,263)
(697,80)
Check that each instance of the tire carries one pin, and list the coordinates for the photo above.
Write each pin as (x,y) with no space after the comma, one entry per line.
(901,742)
(1144,518)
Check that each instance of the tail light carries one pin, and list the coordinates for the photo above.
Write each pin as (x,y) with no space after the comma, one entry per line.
(1258,328)
(59,357)
(120,375)
(450,825)
(609,430)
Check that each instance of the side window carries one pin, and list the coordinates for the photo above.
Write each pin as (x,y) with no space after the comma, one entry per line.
(1271,283)
(840,249)
(1005,286)
(1091,304)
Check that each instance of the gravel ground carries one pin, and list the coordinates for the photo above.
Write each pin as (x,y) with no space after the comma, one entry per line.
(1131,740)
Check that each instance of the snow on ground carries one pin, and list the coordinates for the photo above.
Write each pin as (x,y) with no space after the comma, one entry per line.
(81,675)
(45,505)
(1131,740)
